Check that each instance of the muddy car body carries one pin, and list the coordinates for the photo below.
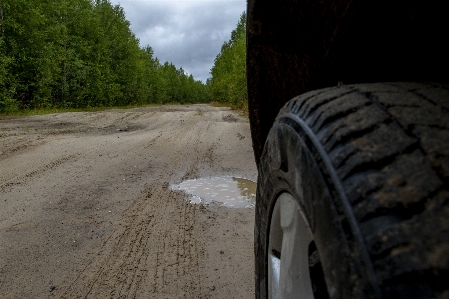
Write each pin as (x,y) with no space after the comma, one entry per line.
(348,105)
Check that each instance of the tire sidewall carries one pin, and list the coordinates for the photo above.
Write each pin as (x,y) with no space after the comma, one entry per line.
(291,163)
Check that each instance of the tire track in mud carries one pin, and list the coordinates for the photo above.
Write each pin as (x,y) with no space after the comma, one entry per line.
(22,179)
(154,243)
(155,253)
(38,165)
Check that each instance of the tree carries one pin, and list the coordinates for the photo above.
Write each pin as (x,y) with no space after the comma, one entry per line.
(228,82)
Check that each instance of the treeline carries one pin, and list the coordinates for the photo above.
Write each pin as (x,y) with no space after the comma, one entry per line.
(228,82)
(81,53)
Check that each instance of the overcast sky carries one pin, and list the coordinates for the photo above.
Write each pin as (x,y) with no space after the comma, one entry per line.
(188,33)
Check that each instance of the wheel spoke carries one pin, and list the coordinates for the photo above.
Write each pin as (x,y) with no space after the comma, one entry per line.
(290,236)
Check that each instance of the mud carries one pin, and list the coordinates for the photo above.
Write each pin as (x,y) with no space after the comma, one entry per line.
(86,208)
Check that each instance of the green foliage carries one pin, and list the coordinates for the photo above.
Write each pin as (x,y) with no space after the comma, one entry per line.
(228,82)
(81,53)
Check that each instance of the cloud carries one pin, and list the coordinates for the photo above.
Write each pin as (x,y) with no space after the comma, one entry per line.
(187,33)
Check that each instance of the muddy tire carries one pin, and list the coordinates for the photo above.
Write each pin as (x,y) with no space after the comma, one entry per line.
(353,196)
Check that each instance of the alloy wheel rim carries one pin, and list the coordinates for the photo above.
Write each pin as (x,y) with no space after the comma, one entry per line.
(288,251)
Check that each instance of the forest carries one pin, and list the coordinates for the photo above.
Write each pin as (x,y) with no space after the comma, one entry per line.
(82,53)
(228,82)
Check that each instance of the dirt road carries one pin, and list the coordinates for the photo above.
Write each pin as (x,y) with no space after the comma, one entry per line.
(86,208)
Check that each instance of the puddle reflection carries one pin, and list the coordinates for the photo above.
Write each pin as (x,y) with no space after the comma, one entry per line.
(230,191)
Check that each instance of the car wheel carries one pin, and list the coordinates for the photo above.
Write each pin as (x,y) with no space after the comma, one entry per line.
(352,196)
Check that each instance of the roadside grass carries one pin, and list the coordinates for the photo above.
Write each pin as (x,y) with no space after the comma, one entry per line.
(241,109)
(43,111)
(198,113)
(238,107)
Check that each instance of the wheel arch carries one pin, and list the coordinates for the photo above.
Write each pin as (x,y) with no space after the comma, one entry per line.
(298,46)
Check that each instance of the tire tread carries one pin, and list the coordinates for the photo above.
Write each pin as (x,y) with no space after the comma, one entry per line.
(389,144)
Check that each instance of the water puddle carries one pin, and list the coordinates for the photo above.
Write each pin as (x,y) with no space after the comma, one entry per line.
(229,191)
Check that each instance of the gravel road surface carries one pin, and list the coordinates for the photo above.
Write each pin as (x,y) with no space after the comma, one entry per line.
(86,208)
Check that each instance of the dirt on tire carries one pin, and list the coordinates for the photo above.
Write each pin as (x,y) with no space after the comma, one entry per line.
(86,208)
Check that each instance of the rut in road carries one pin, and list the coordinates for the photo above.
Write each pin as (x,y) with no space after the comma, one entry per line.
(157,249)
(86,208)
(159,245)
